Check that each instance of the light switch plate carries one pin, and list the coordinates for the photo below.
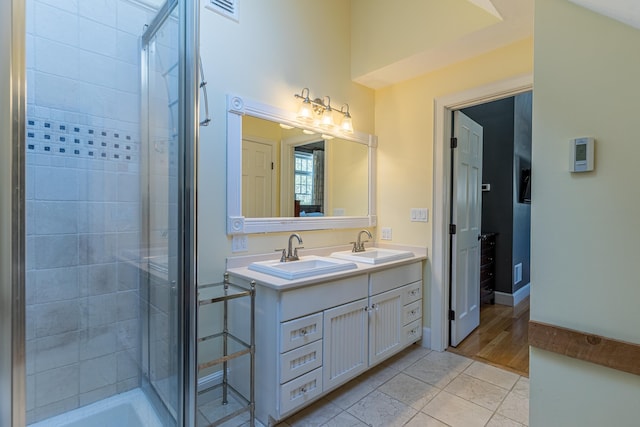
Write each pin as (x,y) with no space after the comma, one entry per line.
(419,214)
(386,233)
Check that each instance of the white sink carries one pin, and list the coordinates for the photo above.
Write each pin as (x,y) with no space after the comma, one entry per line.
(307,266)
(373,255)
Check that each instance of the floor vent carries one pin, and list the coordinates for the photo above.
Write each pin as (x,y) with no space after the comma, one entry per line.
(517,274)
(228,8)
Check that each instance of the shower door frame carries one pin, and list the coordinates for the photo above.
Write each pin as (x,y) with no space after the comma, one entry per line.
(12,216)
(188,134)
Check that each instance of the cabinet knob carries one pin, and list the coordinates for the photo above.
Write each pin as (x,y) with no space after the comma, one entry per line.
(303,389)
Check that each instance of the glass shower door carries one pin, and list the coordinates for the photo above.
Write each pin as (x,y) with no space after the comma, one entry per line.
(160,211)
(169,134)
(102,313)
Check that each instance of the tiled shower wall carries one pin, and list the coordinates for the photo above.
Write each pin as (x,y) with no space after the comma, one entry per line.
(83,209)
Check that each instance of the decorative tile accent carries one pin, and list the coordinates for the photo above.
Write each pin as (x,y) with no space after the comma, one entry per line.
(63,135)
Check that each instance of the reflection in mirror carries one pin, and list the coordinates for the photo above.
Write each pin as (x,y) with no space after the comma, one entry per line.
(289,173)
(261,173)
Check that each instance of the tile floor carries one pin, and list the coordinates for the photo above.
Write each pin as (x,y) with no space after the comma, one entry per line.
(423,388)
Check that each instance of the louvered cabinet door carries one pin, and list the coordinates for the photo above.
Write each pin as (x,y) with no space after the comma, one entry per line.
(345,343)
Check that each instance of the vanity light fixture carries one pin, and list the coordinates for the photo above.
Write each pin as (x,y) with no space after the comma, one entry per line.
(327,137)
(326,121)
(308,132)
(319,112)
(305,112)
(347,124)
(287,127)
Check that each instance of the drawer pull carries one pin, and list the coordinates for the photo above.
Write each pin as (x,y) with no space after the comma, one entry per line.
(413,293)
(303,332)
(303,389)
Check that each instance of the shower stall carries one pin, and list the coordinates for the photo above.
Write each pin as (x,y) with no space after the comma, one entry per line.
(103,324)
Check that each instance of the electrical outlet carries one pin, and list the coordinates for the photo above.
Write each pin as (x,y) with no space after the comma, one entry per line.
(386,233)
(240,243)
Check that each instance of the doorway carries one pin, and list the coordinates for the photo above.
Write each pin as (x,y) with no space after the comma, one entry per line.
(501,336)
(440,274)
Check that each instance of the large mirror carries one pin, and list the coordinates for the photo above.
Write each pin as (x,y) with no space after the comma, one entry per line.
(284,175)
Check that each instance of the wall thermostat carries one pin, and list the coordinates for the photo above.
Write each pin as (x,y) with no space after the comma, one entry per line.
(581,154)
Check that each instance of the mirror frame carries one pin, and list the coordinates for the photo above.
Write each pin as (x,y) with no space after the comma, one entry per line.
(236,223)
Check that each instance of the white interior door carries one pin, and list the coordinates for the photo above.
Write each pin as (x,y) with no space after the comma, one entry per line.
(466,216)
(257,177)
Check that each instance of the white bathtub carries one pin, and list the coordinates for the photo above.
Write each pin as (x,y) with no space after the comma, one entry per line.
(130,409)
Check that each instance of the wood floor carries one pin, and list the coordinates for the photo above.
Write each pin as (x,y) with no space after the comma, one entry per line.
(501,339)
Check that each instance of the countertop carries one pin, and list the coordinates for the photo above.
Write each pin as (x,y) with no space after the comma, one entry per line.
(238,266)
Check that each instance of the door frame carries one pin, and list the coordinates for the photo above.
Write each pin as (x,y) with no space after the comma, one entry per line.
(440,258)
(12,212)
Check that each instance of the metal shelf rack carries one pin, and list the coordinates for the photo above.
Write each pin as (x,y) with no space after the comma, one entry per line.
(232,346)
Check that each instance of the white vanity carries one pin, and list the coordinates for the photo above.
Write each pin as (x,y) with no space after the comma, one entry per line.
(313,334)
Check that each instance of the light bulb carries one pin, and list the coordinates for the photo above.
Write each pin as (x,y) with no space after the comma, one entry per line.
(347,124)
(305,112)
(327,119)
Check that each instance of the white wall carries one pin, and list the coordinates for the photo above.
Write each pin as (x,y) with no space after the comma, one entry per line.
(276,49)
(584,226)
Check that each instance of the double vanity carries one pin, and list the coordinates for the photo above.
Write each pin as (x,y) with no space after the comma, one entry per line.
(326,317)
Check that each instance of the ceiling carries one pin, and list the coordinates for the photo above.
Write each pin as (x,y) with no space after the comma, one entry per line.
(514,23)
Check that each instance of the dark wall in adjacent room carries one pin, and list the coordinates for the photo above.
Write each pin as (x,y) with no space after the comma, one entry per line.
(506,151)
(496,119)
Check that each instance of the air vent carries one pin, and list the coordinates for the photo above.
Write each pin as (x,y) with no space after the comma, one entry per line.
(228,8)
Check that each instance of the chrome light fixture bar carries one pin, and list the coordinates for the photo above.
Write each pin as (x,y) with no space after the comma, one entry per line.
(319,112)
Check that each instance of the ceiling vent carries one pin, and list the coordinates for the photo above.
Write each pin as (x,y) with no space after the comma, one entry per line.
(228,8)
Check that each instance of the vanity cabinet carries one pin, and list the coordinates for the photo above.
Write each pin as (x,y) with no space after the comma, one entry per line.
(345,343)
(313,338)
(396,302)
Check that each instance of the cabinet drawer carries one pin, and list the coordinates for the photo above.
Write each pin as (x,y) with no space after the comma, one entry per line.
(412,332)
(385,280)
(412,292)
(298,332)
(300,361)
(411,312)
(486,272)
(300,391)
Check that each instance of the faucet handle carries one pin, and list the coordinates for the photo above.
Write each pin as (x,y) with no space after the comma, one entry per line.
(295,251)
(283,258)
(355,246)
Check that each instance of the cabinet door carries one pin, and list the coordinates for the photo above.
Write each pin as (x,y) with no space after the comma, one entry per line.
(345,343)
(385,324)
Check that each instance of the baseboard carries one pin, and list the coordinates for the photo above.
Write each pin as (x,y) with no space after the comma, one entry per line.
(209,381)
(514,299)
(426,337)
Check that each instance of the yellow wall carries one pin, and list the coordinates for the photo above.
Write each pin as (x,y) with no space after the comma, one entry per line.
(274,51)
(584,226)
(380,34)
(404,125)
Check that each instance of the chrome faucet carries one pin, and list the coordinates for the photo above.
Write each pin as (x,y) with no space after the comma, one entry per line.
(358,245)
(291,253)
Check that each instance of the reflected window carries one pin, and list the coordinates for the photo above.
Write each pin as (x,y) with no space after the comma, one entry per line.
(303,176)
